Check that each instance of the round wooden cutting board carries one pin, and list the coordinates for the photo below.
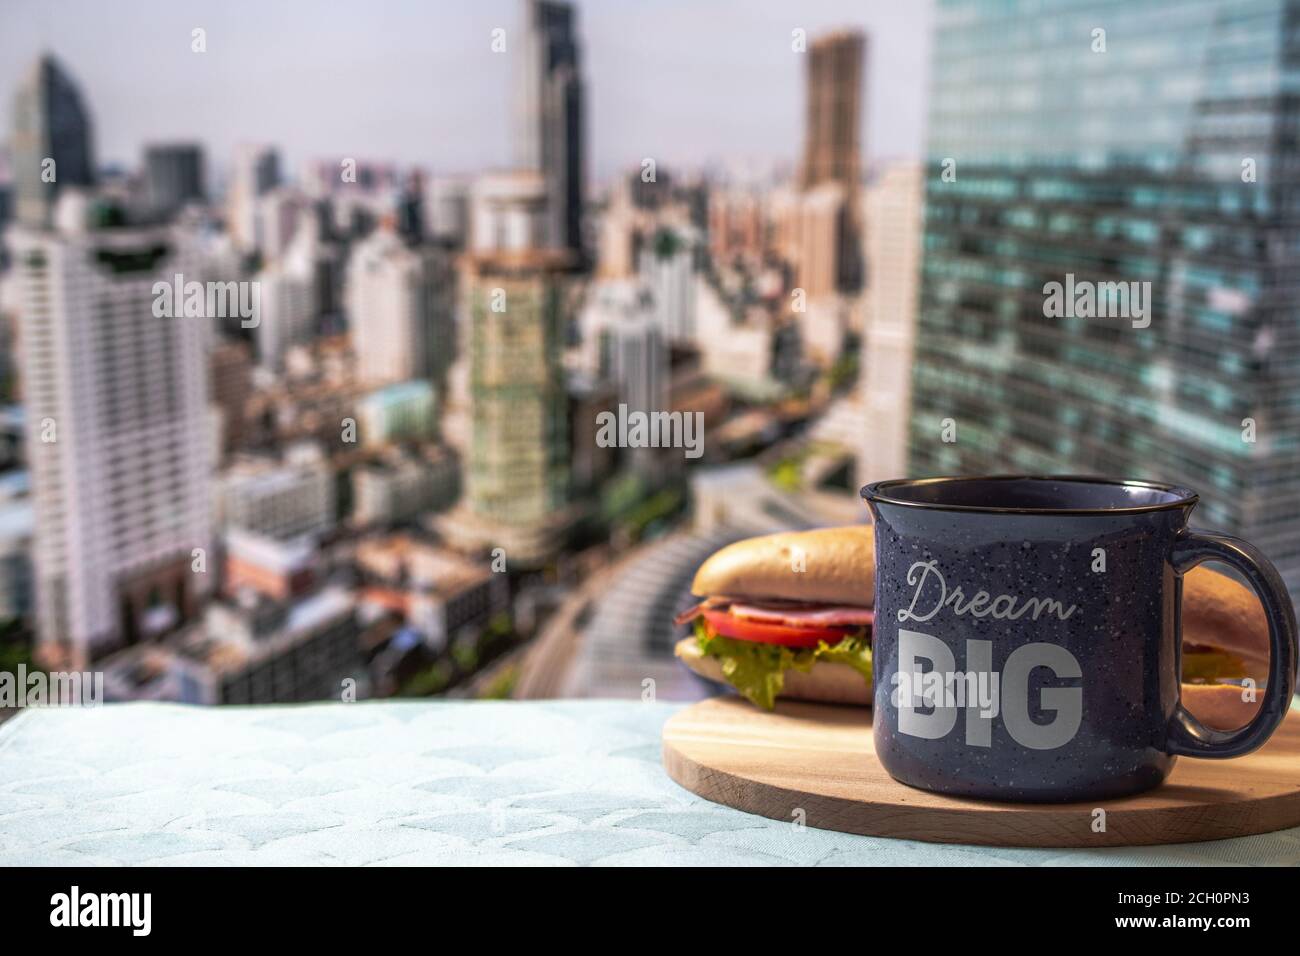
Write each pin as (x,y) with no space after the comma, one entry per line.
(821,759)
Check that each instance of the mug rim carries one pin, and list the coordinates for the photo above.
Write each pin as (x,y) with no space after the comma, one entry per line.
(878,492)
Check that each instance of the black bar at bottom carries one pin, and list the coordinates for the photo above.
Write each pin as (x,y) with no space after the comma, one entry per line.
(231,907)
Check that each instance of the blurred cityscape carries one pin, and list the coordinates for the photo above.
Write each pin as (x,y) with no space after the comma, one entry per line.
(354,430)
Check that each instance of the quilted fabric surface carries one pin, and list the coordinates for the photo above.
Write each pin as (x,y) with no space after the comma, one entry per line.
(550,783)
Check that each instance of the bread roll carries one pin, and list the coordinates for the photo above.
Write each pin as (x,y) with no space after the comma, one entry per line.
(838,567)
(1219,612)
(1218,706)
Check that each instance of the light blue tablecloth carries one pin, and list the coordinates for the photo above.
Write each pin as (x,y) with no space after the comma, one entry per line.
(421,783)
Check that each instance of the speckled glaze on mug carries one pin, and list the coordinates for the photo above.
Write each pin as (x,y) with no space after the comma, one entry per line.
(1046,612)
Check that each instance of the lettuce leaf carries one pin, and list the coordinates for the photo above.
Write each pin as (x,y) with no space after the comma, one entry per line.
(1208,667)
(758,670)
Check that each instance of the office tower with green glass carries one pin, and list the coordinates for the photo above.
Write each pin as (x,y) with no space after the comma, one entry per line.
(515,300)
(1109,279)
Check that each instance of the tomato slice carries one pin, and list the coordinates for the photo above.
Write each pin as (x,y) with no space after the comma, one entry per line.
(763,632)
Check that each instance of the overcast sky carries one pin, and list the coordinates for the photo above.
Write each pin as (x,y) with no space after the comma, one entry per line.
(683,81)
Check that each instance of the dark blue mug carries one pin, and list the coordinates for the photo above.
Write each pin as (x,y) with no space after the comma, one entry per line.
(1027,640)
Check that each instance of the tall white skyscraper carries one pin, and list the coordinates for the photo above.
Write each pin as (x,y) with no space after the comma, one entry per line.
(894,220)
(118,439)
(288,313)
(277,215)
(631,350)
(290,294)
(256,171)
(399,302)
(667,267)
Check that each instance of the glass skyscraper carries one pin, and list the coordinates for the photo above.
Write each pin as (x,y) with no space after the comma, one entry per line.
(1142,158)
(50,141)
(549,112)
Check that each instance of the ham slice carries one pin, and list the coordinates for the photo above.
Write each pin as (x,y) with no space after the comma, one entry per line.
(708,604)
(788,613)
(812,615)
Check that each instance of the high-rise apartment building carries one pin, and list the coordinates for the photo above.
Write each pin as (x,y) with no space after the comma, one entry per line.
(549,114)
(400,300)
(287,313)
(517,471)
(173,176)
(311,257)
(1139,156)
(737,225)
(292,285)
(667,267)
(808,230)
(631,346)
(118,439)
(230,378)
(17,529)
(50,144)
(256,171)
(446,209)
(277,215)
(832,137)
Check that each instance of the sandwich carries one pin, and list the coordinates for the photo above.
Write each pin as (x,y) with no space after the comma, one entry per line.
(786,614)
(789,615)
(1225,646)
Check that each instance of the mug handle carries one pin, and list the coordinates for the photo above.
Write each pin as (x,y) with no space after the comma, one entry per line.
(1187,735)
